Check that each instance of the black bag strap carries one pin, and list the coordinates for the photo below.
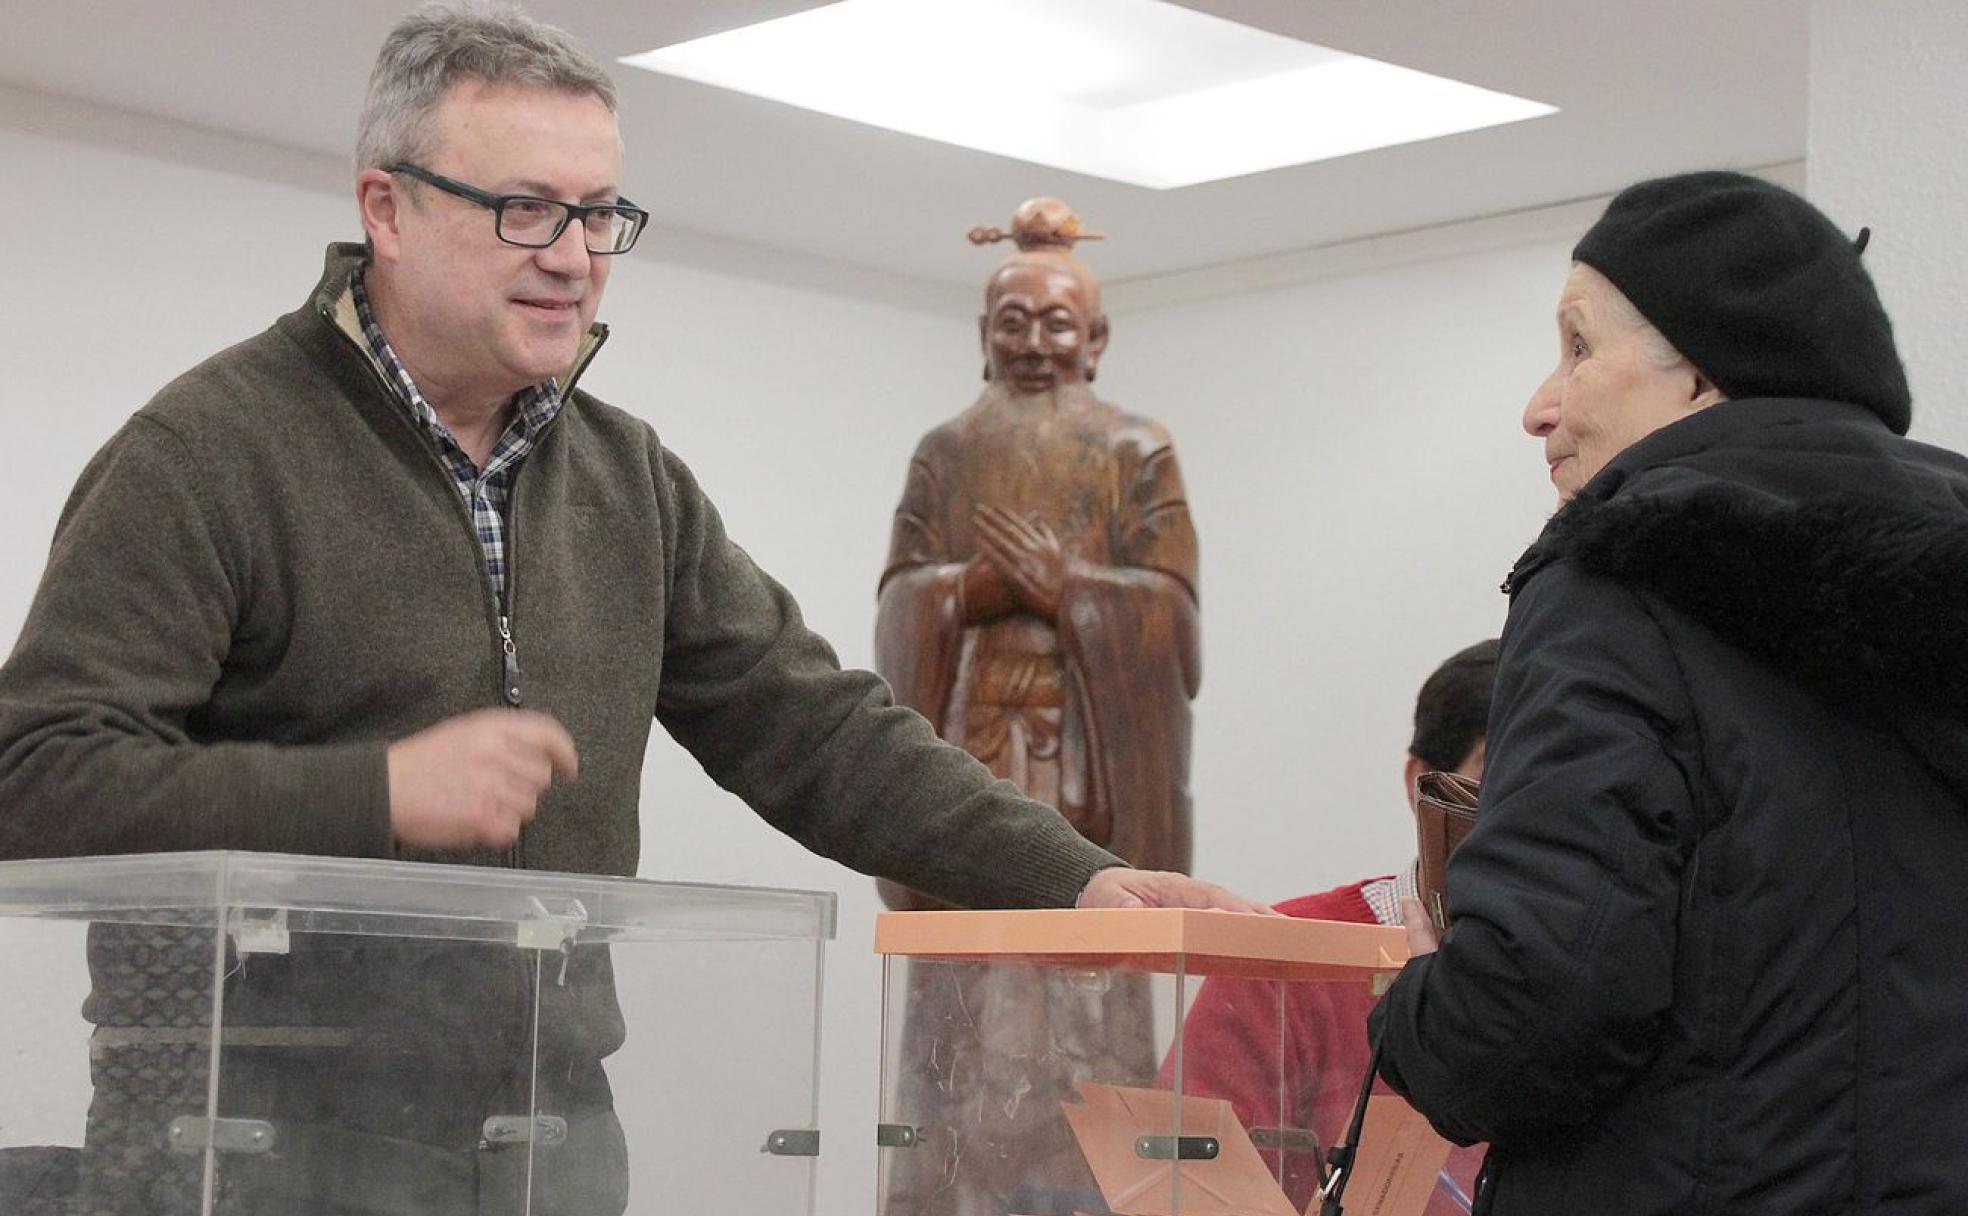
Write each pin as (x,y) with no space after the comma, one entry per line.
(1340,1158)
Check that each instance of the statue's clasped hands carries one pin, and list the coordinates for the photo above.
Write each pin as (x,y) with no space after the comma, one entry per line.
(1027,554)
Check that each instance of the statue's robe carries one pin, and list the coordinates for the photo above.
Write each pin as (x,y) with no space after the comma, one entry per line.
(1088,712)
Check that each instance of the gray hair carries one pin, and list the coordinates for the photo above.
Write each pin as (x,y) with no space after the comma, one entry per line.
(444,43)
(1654,346)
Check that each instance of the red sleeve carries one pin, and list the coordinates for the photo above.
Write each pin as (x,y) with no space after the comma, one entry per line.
(1230,1046)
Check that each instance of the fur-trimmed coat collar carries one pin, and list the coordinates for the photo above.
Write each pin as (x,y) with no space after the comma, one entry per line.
(1803,532)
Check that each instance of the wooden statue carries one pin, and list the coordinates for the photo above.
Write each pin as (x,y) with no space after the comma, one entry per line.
(1039,607)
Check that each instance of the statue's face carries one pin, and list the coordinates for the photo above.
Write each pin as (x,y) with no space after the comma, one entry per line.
(1039,331)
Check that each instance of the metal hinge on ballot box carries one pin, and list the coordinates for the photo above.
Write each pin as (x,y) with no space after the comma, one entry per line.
(793,1142)
(196,1133)
(543,1130)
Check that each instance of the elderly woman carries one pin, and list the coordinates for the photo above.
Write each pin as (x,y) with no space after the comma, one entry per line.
(1707,952)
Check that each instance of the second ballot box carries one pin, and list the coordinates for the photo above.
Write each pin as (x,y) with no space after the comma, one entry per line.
(1138,1062)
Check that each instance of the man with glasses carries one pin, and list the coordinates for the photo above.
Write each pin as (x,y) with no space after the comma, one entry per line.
(370,582)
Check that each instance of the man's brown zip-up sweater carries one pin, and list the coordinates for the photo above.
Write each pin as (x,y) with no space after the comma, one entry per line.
(266,577)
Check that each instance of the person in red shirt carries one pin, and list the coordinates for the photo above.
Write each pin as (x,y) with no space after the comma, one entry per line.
(1230,1046)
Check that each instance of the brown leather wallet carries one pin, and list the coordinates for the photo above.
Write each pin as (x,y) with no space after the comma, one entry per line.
(1445,810)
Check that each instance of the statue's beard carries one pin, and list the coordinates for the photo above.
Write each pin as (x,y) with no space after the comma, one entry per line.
(1061,394)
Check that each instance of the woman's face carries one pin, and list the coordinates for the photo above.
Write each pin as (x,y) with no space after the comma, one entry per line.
(1616,382)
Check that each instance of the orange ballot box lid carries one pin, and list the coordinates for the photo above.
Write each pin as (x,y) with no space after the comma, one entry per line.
(1170,940)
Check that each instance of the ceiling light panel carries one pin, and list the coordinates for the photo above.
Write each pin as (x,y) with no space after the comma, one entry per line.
(1137,91)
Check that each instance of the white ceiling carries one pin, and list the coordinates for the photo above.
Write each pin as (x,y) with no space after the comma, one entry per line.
(1644,86)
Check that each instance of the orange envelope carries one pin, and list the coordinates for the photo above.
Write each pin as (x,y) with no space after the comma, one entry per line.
(1397,1163)
(1113,1125)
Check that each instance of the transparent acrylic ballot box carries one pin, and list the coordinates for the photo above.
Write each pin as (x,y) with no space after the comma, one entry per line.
(1141,1062)
(236,1033)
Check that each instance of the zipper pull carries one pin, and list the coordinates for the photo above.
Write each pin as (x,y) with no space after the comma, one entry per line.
(511,650)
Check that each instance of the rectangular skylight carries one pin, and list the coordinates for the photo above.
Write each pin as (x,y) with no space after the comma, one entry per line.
(1137,91)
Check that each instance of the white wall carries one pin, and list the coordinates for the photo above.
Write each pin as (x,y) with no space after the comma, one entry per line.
(1888,125)
(1361,486)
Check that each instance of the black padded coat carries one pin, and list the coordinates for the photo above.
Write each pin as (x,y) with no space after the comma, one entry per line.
(1710,939)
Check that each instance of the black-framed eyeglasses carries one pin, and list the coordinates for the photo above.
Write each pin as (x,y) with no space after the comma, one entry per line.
(535,223)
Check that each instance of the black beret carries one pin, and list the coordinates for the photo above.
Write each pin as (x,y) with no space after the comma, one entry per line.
(1755,286)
